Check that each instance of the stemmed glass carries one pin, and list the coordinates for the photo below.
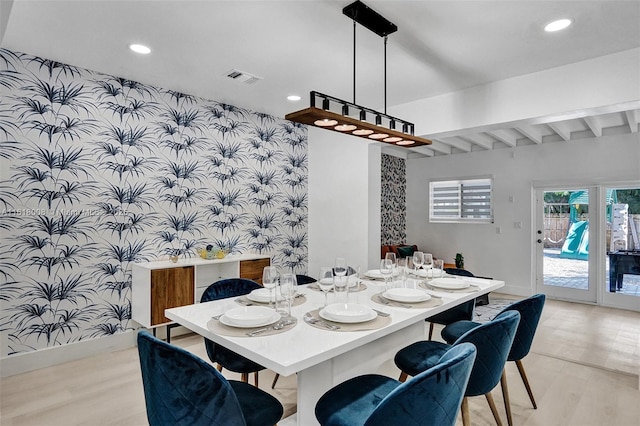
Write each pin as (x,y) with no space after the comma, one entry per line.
(269,281)
(386,269)
(288,286)
(402,270)
(418,260)
(325,282)
(427,260)
(340,270)
(394,262)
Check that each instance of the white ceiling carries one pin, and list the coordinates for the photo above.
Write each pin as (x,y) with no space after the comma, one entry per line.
(298,46)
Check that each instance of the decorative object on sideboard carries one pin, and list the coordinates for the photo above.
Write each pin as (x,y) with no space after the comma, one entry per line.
(459,261)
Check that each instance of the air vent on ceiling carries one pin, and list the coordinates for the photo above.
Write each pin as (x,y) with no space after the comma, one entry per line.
(243,77)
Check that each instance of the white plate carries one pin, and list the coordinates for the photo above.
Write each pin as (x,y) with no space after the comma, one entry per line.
(375,273)
(348,313)
(407,295)
(249,316)
(419,273)
(451,283)
(263,295)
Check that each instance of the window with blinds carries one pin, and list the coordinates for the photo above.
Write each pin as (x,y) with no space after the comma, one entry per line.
(465,200)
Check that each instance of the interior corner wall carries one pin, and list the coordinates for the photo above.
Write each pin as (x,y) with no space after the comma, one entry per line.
(340,199)
(508,255)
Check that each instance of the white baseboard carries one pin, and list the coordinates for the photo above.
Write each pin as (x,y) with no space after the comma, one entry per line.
(29,361)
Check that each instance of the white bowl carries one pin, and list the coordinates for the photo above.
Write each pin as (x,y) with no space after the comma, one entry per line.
(250,316)
(348,313)
(406,295)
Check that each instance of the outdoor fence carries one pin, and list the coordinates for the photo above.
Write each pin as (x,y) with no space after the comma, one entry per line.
(556,226)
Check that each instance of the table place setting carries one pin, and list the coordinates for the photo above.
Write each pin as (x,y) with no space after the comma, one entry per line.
(411,298)
(262,297)
(347,317)
(250,321)
(450,284)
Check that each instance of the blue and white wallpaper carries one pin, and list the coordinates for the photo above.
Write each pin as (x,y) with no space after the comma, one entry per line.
(99,171)
(393,203)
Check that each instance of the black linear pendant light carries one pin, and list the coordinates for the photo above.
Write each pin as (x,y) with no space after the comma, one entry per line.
(383,127)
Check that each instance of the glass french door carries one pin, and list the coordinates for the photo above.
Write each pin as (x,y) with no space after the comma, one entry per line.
(566,221)
(620,238)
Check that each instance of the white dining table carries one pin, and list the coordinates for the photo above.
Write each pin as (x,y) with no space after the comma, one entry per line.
(324,358)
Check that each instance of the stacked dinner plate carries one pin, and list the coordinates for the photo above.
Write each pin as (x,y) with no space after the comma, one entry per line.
(249,317)
(348,313)
(263,295)
(406,295)
(450,283)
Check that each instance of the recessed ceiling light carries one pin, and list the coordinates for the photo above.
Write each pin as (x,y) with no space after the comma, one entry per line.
(557,25)
(294,98)
(140,48)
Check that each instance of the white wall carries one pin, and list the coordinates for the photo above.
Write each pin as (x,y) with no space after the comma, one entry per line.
(507,256)
(344,200)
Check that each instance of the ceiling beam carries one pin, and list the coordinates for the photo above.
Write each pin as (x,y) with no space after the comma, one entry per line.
(504,136)
(632,120)
(436,145)
(531,132)
(561,130)
(481,139)
(458,143)
(594,124)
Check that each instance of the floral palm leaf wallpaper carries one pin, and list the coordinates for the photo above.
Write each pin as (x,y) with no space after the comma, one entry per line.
(98,172)
(393,204)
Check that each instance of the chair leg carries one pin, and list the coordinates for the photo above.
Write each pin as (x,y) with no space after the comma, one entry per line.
(430,330)
(245,377)
(255,378)
(403,377)
(505,395)
(466,420)
(526,382)
(275,379)
(494,410)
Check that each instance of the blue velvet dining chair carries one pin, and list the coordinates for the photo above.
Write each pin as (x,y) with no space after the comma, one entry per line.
(463,311)
(433,397)
(181,389)
(492,341)
(530,312)
(224,357)
(304,279)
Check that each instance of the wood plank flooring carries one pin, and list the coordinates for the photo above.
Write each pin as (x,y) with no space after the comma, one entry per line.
(583,369)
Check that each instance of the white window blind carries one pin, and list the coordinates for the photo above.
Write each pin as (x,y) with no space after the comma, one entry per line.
(465,200)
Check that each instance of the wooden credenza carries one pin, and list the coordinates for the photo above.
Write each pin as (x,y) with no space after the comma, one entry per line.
(160,285)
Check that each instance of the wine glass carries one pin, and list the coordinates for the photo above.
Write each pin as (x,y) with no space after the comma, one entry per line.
(340,267)
(402,269)
(325,282)
(394,262)
(386,269)
(288,286)
(418,260)
(269,281)
(427,260)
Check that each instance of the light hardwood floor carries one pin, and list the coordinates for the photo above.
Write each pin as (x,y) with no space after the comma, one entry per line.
(583,369)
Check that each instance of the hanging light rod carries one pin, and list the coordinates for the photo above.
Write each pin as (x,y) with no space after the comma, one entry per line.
(352,118)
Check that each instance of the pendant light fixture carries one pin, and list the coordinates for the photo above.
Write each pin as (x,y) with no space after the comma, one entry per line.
(348,117)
